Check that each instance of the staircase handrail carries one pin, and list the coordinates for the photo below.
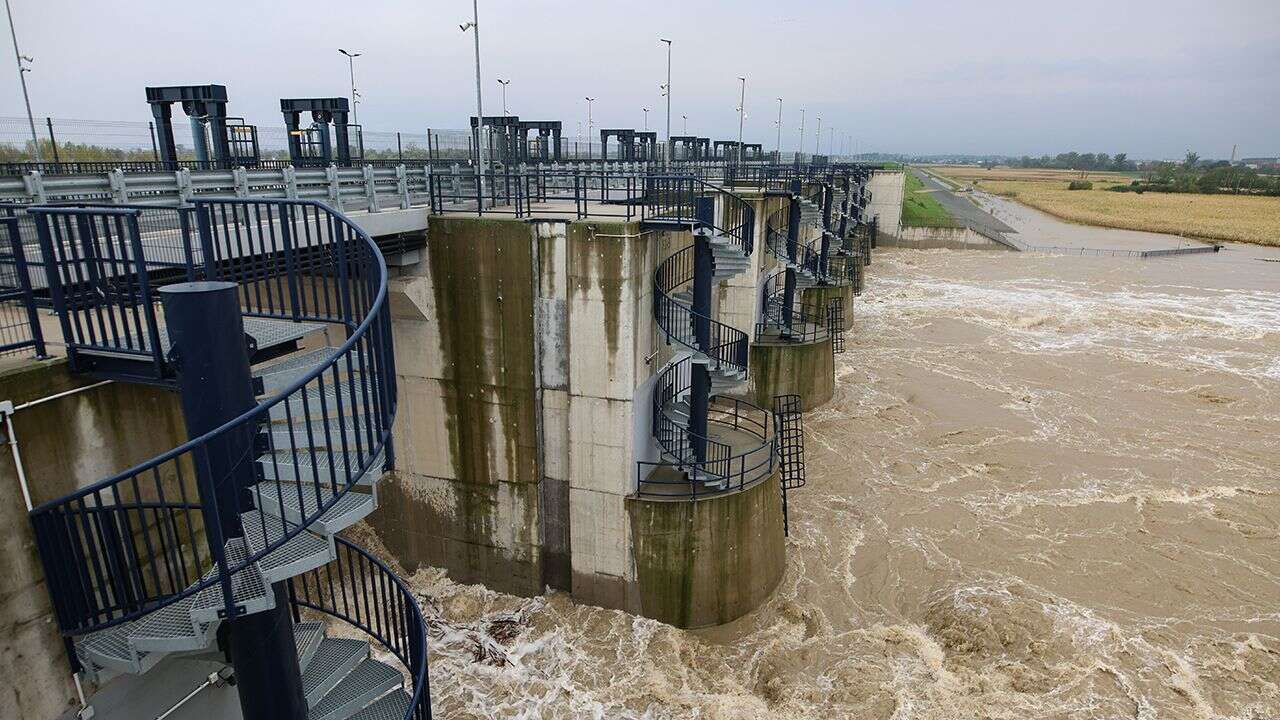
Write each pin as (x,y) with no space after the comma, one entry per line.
(99,582)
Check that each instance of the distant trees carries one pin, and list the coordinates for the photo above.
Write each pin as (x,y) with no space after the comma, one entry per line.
(1079,161)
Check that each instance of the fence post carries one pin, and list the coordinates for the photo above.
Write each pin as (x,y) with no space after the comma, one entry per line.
(335,196)
(118,189)
(240,177)
(370,191)
(290,174)
(34,184)
(402,186)
(183,177)
(53,141)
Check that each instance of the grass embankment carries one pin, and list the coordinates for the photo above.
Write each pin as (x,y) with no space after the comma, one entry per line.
(920,208)
(1239,218)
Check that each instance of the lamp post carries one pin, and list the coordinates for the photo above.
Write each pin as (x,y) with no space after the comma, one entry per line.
(817,137)
(482,164)
(351,66)
(800,147)
(666,90)
(684,129)
(777,148)
(22,78)
(589,101)
(504,84)
(742,108)
(646,118)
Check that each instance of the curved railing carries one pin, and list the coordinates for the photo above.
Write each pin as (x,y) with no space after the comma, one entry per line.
(360,590)
(808,322)
(676,200)
(704,207)
(141,540)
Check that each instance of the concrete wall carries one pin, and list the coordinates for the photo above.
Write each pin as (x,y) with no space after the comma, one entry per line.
(708,561)
(821,295)
(887,189)
(65,444)
(923,238)
(805,369)
(521,349)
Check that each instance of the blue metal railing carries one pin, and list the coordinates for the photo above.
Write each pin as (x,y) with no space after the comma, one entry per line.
(137,541)
(360,590)
(19,321)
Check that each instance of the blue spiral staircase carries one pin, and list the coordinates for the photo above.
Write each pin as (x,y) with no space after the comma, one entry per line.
(833,206)
(245,517)
(716,441)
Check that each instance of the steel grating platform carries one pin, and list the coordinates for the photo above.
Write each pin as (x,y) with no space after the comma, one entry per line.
(369,681)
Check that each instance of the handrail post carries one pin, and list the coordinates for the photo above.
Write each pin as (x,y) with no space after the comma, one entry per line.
(24,286)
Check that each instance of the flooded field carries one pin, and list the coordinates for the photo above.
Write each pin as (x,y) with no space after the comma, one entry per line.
(1047,488)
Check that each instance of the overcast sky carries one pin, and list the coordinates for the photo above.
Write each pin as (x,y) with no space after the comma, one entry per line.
(1151,78)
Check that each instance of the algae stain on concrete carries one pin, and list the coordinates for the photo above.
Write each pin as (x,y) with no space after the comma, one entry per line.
(601,261)
(480,271)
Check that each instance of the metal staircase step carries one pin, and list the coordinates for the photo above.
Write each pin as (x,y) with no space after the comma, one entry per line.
(110,649)
(171,629)
(366,683)
(304,551)
(306,638)
(305,433)
(333,659)
(284,500)
(287,467)
(249,589)
(277,376)
(342,397)
(394,706)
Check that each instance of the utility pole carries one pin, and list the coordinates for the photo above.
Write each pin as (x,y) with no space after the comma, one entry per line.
(646,119)
(742,109)
(589,101)
(351,65)
(666,90)
(817,137)
(800,147)
(777,149)
(504,84)
(684,129)
(482,165)
(22,78)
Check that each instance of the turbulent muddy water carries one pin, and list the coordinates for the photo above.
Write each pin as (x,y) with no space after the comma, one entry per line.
(1047,488)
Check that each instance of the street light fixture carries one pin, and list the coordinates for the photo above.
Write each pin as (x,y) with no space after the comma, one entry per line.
(351,65)
(666,91)
(777,149)
(742,107)
(22,78)
(800,147)
(817,137)
(646,119)
(504,84)
(482,164)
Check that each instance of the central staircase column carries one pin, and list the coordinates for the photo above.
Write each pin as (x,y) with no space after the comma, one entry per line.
(793,242)
(216,386)
(828,194)
(700,380)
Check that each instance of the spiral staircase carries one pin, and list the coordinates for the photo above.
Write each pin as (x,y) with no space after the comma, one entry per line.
(715,441)
(161,559)
(827,259)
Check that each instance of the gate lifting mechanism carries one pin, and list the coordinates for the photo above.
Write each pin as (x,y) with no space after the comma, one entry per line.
(219,143)
(315,146)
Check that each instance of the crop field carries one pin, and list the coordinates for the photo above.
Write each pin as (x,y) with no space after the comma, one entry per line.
(1240,218)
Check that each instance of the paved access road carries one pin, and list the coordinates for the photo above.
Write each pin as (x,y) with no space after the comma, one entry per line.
(960,207)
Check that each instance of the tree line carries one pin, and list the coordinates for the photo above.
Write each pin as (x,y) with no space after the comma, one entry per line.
(1078,161)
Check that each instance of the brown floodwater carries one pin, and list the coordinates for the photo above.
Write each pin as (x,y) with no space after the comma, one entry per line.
(1047,487)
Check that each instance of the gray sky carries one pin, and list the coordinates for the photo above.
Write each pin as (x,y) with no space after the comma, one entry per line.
(1151,78)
